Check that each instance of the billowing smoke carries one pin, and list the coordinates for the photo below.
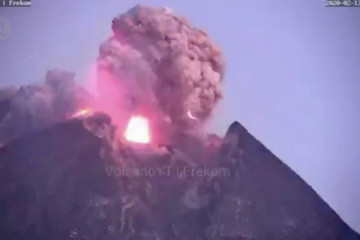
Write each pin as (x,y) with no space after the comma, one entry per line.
(38,106)
(156,60)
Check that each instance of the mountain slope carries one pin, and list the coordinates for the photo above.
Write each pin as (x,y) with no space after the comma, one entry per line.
(73,181)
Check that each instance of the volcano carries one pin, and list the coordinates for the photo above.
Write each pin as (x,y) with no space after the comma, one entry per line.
(75,181)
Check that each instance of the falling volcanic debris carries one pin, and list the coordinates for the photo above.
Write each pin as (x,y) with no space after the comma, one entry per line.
(156,61)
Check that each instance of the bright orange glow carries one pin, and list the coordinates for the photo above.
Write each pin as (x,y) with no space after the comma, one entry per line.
(137,130)
(81,113)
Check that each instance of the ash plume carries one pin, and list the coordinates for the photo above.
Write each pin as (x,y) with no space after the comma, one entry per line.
(156,60)
(38,106)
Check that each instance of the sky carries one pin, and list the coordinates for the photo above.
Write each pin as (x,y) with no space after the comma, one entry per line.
(292,76)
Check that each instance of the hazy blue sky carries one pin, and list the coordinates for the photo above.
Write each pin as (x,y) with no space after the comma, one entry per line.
(292,79)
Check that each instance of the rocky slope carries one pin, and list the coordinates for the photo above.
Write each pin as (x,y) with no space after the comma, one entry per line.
(72,181)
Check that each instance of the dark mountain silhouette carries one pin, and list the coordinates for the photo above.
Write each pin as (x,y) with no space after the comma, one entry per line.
(73,181)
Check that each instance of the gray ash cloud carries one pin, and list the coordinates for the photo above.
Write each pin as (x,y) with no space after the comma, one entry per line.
(154,61)
(163,63)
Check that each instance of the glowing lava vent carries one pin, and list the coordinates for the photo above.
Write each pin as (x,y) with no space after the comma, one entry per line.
(138,130)
(82,113)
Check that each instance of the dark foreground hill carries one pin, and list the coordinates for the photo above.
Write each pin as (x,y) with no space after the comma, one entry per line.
(73,182)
